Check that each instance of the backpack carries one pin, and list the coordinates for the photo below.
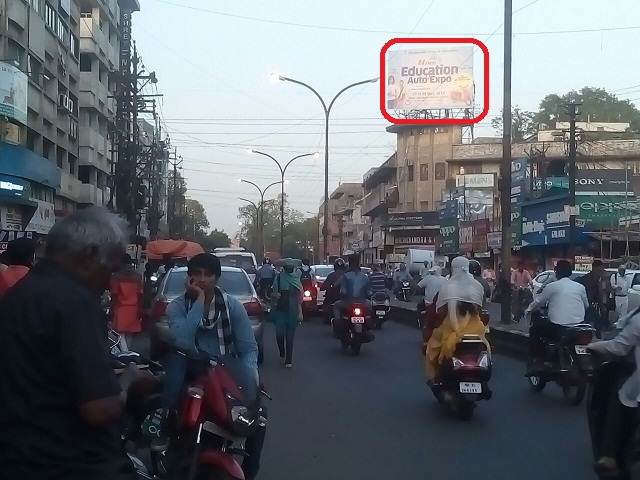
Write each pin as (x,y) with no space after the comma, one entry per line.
(305,274)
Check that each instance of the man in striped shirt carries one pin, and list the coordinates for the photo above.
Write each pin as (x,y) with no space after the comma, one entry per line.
(377,280)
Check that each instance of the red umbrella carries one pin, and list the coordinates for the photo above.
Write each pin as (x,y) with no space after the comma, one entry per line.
(157,249)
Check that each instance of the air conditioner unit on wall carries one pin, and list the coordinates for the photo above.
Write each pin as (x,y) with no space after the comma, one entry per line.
(65,103)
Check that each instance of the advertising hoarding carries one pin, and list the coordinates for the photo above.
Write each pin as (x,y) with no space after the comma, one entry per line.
(13,93)
(545,223)
(449,236)
(43,218)
(480,230)
(465,234)
(475,180)
(430,78)
(412,219)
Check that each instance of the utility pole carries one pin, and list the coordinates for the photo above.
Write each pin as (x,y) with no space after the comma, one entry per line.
(175,162)
(572,110)
(505,171)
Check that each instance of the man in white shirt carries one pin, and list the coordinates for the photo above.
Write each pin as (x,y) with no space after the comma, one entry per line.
(619,288)
(567,301)
(431,283)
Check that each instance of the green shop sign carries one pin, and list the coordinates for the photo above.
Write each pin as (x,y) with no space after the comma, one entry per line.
(600,211)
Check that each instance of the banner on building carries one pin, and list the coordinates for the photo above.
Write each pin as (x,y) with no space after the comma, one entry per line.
(480,230)
(448,209)
(415,237)
(603,181)
(413,219)
(605,211)
(43,218)
(448,242)
(475,180)
(430,78)
(516,226)
(13,93)
(465,237)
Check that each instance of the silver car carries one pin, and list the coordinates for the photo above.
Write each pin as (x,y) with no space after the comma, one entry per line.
(234,281)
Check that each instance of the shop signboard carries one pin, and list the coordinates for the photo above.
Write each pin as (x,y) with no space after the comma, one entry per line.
(602,181)
(494,240)
(516,226)
(475,180)
(583,263)
(465,235)
(415,237)
(448,209)
(545,223)
(605,211)
(480,230)
(449,236)
(412,219)
(14,187)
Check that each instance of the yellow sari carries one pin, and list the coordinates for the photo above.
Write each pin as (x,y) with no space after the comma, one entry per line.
(442,344)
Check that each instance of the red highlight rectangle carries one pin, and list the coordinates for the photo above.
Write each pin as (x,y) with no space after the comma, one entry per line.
(434,121)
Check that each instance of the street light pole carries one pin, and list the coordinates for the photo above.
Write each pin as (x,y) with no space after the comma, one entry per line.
(327,112)
(283,170)
(262,191)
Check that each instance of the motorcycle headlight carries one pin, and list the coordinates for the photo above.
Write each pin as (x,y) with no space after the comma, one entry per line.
(386,302)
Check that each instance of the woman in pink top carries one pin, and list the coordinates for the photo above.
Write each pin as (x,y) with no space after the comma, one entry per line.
(126,295)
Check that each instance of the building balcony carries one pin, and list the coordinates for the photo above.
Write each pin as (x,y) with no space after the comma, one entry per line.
(70,187)
(92,139)
(379,200)
(92,195)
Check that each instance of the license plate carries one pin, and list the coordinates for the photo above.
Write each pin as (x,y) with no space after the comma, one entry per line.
(581,350)
(470,387)
(307,299)
(357,319)
(381,313)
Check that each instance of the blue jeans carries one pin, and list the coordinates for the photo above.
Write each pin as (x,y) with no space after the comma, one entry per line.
(175,372)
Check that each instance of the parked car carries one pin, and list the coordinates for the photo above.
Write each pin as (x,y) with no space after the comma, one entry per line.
(239,258)
(234,281)
(545,278)
(321,273)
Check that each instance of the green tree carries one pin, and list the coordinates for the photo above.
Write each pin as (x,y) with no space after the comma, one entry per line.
(598,105)
(196,221)
(523,124)
(215,239)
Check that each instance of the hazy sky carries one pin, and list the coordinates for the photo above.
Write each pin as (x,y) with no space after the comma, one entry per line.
(213,58)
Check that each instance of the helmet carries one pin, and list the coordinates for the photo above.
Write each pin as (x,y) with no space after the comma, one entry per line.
(266,261)
(339,264)
(474,268)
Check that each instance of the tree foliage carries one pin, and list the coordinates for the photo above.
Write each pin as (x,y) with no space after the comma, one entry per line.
(215,239)
(598,105)
(196,221)
(523,124)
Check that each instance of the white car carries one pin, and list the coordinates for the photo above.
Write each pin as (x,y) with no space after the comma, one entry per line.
(545,278)
(321,273)
(239,258)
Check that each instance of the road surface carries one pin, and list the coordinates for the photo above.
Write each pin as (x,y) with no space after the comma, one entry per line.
(335,417)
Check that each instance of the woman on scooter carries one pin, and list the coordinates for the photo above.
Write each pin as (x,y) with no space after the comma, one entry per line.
(461,300)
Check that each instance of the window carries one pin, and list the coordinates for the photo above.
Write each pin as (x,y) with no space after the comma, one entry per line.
(440,171)
(34,69)
(73,128)
(410,173)
(50,17)
(36,5)
(424,206)
(424,172)
(15,53)
(74,45)
(61,30)
(84,173)
(72,165)
(85,62)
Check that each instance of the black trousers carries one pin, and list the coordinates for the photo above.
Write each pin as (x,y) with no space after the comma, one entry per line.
(539,331)
(253,447)
(285,343)
(619,422)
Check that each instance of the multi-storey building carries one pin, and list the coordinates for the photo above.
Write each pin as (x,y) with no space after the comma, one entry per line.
(341,205)
(39,89)
(99,65)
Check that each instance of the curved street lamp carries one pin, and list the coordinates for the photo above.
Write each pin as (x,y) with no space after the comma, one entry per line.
(327,111)
(283,170)
(262,191)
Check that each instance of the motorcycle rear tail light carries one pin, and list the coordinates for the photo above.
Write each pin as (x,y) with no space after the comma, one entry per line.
(484,360)
(307,293)
(192,406)
(357,311)
(584,338)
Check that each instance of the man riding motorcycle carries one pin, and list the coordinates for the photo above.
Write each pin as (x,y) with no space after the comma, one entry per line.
(330,286)
(264,277)
(354,285)
(305,272)
(567,301)
(475,269)
(400,276)
(206,321)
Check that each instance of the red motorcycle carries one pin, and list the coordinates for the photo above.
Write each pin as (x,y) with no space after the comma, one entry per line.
(209,430)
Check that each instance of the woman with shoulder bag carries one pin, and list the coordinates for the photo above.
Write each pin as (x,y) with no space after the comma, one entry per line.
(287,313)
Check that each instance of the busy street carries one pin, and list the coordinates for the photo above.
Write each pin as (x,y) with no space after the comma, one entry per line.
(374,417)
(334,240)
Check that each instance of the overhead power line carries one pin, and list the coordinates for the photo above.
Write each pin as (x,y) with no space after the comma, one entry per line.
(393,32)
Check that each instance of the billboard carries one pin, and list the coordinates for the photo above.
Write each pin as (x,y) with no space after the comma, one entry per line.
(449,236)
(465,237)
(545,223)
(43,218)
(430,78)
(13,93)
